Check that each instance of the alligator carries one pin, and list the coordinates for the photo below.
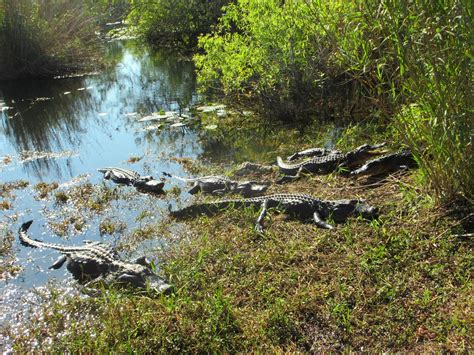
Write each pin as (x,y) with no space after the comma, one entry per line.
(302,206)
(387,164)
(132,178)
(214,184)
(312,152)
(94,262)
(331,162)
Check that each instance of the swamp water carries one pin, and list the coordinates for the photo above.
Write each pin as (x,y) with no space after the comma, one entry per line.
(55,134)
(134,115)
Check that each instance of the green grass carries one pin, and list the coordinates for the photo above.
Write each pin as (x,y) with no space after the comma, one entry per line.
(401,283)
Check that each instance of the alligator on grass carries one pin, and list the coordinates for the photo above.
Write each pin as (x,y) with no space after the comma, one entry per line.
(312,152)
(220,184)
(387,164)
(302,206)
(96,262)
(132,178)
(329,163)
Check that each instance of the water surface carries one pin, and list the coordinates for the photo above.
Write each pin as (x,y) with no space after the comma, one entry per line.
(62,130)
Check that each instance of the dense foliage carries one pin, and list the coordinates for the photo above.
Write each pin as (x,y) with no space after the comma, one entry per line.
(174,23)
(407,63)
(47,38)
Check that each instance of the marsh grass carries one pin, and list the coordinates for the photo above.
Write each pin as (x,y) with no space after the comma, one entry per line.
(399,283)
(44,39)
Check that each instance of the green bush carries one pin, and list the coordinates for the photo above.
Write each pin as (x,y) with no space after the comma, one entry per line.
(296,60)
(174,23)
(275,57)
(45,38)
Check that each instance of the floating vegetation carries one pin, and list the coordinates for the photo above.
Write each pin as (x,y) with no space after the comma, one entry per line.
(8,187)
(43,189)
(134,159)
(7,267)
(6,159)
(29,155)
(108,226)
(61,197)
(5,205)
(61,228)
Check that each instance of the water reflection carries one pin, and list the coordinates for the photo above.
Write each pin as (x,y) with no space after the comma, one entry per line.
(89,115)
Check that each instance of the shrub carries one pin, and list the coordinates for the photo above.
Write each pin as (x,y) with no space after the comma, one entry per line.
(408,63)
(174,23)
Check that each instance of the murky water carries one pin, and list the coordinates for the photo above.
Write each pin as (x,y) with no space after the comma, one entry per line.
(62,130)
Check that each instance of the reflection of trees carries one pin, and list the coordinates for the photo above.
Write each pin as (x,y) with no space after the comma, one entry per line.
(50,125)
(140,82)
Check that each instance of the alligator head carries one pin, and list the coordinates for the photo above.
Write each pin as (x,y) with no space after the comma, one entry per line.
(359,155)
(251,188)
(366,211)
(143,277)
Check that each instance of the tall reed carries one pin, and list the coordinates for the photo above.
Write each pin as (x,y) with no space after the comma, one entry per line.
(45,38)
(431,42)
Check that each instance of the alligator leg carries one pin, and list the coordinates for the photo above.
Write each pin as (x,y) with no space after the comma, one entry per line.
(320,222)
(195,189)
(287,178)
(259,224)
(58,263)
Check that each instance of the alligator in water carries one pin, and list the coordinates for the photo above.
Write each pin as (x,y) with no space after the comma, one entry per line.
(302,206)
(331,162)
(312,152)
(95,261)
(221,184)
(387,164)
(132,178)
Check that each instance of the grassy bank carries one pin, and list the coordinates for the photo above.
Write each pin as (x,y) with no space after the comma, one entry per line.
(401,283)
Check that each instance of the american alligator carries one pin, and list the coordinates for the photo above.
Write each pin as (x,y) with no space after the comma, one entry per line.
(132,178)
(220,184)
(331,162)
(312,152)
(302,206)
(387,164)
(95,261)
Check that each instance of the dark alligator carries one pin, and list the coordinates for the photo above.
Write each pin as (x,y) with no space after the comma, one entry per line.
(132,178)
(331,162)
(312,152)
(387,164)
(95,261)
(302,206)
(220,184)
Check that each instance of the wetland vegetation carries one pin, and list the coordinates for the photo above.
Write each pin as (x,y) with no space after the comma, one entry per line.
(294,75)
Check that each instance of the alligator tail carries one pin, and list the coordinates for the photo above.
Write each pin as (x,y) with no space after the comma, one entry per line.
(25,240)
(286,168)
